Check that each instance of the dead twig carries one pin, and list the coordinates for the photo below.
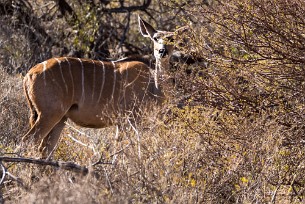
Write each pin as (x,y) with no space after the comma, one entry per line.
(124,9)
(58,164)
(275,193)
(18,180)
(3,173)
(62,165)
(15,178)
(70,166)
(292,185)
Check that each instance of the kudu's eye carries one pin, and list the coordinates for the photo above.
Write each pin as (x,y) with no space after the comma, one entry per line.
(155,38)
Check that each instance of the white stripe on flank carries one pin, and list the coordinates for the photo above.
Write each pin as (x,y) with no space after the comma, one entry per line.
(103,82)
(114,80)
(70,72)
(62,75)
(83,82)
(93,88)
(126,70)
(44,64)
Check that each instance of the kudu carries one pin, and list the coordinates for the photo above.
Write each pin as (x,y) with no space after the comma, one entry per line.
(92,93)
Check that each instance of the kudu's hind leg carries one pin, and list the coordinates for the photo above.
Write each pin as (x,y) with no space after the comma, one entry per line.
(49,143)
(41,128)
(32,121)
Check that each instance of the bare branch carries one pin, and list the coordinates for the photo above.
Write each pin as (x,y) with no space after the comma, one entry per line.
(3,173)
(18,180)
(129,9)
(100,161)
(65,7)
(15,178)
(123,38)
(274,194)
(63,165)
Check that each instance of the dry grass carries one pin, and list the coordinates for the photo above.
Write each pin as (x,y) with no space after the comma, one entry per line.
(13,109)
(199,155)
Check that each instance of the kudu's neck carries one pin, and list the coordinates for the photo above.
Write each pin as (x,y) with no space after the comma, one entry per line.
(163,64)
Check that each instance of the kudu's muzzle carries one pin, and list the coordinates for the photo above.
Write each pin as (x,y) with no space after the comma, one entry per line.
(163,53)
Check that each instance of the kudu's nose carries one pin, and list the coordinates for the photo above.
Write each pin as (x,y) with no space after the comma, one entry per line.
(163,52)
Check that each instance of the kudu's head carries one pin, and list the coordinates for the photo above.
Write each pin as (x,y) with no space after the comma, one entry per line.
(163,45)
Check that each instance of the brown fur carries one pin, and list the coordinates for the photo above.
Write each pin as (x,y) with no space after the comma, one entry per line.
(61,91)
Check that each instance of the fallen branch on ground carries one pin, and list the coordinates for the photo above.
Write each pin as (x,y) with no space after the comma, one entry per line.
(58,164)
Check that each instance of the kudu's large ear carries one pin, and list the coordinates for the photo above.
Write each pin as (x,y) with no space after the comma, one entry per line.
(145,28)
